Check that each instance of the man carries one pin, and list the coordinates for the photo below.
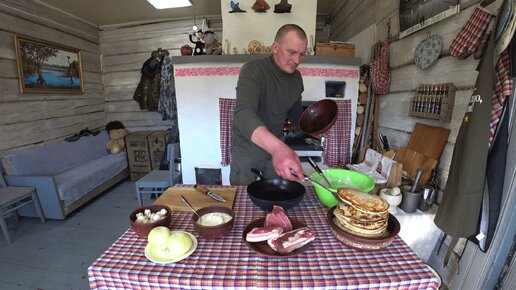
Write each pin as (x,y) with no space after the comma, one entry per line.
(268,91)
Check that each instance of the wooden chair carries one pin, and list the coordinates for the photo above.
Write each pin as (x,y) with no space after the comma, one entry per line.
(157,181)
(14,197)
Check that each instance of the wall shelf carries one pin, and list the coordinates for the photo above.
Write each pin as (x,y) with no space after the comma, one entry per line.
(433,101)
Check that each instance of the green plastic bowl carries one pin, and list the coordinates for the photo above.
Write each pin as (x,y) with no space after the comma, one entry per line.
(340,178)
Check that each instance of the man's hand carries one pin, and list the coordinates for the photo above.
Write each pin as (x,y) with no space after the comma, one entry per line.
(284,159)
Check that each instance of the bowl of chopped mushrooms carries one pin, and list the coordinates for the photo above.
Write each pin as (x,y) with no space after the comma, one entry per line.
(145,218)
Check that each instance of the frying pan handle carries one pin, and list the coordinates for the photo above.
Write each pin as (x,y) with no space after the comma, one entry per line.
(257,172)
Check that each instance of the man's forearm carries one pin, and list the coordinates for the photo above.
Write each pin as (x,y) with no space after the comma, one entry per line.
(264,139)
(284,159)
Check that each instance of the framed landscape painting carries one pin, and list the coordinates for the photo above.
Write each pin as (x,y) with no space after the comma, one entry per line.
(45,67)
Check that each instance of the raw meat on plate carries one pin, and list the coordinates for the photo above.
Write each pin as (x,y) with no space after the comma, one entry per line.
(261,234)
(278,218)
(290,241)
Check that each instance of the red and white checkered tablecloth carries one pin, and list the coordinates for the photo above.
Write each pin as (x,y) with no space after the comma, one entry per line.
(228,263)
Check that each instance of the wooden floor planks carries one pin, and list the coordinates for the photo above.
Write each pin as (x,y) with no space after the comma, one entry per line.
(57,254)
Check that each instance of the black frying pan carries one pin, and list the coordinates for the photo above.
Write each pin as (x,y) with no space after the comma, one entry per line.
(276,191)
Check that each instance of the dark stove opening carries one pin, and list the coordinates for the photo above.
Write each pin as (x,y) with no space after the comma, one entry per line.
(335,89)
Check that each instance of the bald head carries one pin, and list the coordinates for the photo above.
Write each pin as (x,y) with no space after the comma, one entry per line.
(285,29)
(289,47)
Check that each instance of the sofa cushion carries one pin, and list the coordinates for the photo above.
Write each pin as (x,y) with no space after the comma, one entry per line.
(74,183)
(55,158)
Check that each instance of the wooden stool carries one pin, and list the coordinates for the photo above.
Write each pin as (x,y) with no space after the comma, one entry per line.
(14,197)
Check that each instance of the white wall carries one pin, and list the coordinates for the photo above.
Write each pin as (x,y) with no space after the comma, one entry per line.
(241,28)
(363,42)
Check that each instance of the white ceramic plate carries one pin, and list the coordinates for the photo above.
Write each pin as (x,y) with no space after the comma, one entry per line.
(436,275)
(171,259)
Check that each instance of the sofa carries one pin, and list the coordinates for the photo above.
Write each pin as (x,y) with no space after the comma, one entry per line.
(65,174)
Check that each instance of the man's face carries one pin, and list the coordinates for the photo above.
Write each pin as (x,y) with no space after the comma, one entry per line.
(289,52)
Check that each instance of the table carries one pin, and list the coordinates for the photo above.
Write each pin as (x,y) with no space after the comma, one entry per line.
(228,263)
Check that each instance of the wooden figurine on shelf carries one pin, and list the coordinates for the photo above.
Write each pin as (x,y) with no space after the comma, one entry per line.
(199,43)
(235,7)
(282,7)
(260,6)
(211,43)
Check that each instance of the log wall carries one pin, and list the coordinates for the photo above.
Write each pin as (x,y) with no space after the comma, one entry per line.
(29,119)
(112,59)
(351,18)
(126,47)
(124,50)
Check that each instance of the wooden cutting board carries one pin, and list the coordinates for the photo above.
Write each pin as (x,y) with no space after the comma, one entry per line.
(413,160)
(172,198)
(428,140)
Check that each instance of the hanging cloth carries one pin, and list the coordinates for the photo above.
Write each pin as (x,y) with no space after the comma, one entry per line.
(336,145)
(226,112)
(503,89)
(459,210)
(495,176)
(497,158)
(380,71)
(470,35)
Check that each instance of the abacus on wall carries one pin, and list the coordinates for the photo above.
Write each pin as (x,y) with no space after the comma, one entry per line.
(433,101)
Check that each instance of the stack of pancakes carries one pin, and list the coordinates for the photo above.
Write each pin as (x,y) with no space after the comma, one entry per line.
(361,214)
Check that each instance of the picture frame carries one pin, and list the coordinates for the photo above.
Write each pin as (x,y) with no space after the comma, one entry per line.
(45,67)
(417,14)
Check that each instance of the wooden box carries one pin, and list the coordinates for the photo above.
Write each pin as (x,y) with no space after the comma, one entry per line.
(335,49)
(157,142)
(138,153)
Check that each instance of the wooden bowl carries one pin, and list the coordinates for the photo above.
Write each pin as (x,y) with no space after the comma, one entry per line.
(319,117)
(143,230)
(362,243)
(213,232)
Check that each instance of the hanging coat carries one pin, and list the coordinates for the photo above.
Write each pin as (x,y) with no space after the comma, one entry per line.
(148,90)
(167,102)
(495,175)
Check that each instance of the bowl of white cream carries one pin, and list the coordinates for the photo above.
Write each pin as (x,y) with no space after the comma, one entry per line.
(214,221)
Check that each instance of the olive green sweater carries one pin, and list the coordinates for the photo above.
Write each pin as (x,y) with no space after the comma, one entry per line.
(266,96)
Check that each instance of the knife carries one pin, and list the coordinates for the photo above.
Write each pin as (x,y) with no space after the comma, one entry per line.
(209,193)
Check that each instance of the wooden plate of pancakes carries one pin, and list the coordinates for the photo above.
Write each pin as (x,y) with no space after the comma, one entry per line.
(362,221)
